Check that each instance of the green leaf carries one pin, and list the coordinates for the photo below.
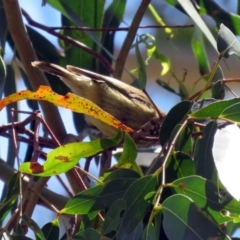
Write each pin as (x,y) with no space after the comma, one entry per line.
(222,15)
(205,196)
(129,154)
(149,232)
(164,61)
(174,117)
(113,217)
(199,51)
(11,197)
(67,156)
(152,51)
(203,158)
(158,217)
(120,173)
(232,113)
(34,226)
(136,234)
(202,103)
(218,74)
(51,230)
(232,205)
(166,86)
(227,42)
(218,88)
(215,109)
(89,234)
(77,13)
(99,197)
(113,17)
(188,220)
(179,165)
(191,11)
(136,205)
(184,141)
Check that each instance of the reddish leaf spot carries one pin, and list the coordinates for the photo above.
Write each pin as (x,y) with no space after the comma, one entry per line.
(137,215)
(62,158)
(182,185)
(36,167)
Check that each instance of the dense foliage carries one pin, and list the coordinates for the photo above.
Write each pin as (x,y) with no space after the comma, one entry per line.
(187,192)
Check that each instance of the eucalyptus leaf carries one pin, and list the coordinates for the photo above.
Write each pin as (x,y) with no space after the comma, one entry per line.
(203,159)
(227,42)
(113,217)
(51,230)
(221,14)
(191,11)
(185,219)
(214,109)
(174,117)
(199,50)
(136,205)
(218,90)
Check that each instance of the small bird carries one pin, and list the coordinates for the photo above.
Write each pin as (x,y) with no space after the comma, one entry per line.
(128,104)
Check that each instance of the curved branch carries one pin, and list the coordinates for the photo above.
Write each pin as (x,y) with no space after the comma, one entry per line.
(27,55)
(121,59)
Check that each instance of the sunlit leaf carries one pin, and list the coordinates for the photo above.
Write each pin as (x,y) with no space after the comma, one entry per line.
(164,61)
(199,51)
(69,101)
(65,157)
(205,196)
(129,150)
(215,109)
(152,51)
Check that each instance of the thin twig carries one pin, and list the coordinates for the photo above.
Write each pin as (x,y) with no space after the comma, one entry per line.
(121,59)
(163,168)
(68,39)
(118,28)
